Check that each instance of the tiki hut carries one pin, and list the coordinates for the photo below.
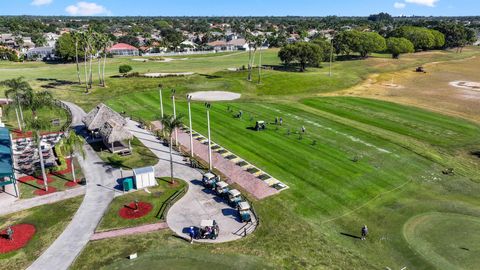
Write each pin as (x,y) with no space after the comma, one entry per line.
(109,126)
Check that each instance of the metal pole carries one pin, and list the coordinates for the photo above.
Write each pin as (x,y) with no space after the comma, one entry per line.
(175,116)
(190,124)
(209,140)
(161,101)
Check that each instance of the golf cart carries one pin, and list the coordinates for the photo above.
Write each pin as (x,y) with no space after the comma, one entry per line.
(208,230)
(244,211)
(234,197)
(260,125)
(209,180)
(221,188)
(420,70)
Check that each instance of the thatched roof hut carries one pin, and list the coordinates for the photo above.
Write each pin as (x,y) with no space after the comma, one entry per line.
(97,117)
(111,132)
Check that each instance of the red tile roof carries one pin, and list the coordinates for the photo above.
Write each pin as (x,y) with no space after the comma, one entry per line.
(122,46)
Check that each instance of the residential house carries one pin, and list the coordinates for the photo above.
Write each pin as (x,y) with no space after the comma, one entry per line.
(123,49)
(41,53)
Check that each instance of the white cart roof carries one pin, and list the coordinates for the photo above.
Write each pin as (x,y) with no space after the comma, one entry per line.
(234,192)
(206,223)
(209,175)
(222,184)
(143,170)
(244,206)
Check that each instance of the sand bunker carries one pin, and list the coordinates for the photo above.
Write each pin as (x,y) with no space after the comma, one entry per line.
(475,86)
(392,85)
(214,95)
(163,60)
(160,75)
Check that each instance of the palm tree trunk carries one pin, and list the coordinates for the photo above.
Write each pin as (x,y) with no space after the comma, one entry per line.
(99,73)
(76,61)
(103,72)
(90,73)
(172,181)
(86,74)
(18,120)
(73,168)
(42,164)
(249,78)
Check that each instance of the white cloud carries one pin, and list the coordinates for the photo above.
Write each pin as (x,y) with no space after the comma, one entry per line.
(399,5)
(41,2)
(428,3)
(86,9)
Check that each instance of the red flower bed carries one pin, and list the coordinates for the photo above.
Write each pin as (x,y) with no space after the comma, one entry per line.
(129,212)
(41,192)
(27,178)
(71,184)
(68,169)
(49,180)
(22,233)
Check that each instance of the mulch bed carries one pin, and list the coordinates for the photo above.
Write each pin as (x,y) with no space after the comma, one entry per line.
(71,184)
(49,180)
(41,192)
(22,233)
(129,212)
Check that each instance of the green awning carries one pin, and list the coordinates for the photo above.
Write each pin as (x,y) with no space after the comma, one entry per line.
(6,160)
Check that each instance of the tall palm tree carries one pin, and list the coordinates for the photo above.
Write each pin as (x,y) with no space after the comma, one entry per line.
(76,39)
(85,41)
(106,44)
(16,90)
(72,144)
(170,123)
(35,101)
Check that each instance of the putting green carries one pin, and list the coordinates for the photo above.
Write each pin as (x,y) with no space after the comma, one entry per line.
(447,241)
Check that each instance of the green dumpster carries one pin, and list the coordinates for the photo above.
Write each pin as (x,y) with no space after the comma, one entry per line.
(127,184)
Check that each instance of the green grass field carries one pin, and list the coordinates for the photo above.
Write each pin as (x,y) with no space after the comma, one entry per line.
(49,221)
(360,162)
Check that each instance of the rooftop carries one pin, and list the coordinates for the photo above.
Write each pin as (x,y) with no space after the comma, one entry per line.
(6,161)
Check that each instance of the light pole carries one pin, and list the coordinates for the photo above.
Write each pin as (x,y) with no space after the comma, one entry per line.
(189,98)
(208,106)
(174,116)
(161,100)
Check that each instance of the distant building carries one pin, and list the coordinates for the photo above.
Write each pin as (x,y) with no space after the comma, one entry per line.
(41,53)
(124,49)
(232,45)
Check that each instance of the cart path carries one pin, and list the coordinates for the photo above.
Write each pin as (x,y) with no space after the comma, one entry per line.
(24,204)
(99,193)
(130,231)
(198,203)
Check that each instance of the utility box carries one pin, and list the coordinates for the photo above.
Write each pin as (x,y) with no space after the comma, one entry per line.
(144,177)
(127,184)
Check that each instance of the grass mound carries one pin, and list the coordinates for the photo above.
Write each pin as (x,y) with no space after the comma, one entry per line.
(447,241)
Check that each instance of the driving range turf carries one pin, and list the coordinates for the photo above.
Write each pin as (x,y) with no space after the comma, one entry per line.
(360,162)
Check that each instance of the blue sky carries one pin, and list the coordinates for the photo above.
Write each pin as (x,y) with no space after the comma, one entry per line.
(239,8)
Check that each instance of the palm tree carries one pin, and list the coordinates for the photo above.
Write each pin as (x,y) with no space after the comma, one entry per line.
(106,44)
(85,42)
(16,90)
(170,123)
(35,101)
(77,38)
(72,144)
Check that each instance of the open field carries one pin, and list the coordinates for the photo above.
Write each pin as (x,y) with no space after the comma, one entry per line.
(49,220)
(431,90)
(360,162)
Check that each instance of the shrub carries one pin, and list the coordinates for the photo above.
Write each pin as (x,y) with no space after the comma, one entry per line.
(124,69)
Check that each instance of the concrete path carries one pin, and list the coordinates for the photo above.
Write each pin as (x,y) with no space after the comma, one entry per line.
(198,203)
(99,194)
(130,231)
(20,205)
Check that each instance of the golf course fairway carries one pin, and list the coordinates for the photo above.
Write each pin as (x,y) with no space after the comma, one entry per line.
(445,240)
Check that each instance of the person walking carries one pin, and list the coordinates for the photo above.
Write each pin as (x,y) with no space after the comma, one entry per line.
(303,129)
(281,121)
(191,232)
(364,232)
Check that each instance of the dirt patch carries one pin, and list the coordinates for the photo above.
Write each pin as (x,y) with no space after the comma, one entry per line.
(214,95)
(475,86)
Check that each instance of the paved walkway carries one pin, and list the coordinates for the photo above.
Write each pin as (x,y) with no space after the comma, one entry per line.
(20,205)
(130,231)
(198,203)
(99,194)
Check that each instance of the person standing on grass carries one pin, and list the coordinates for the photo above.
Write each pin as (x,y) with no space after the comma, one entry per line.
(191,232)
(281,121)
(303,129)
(364,232)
